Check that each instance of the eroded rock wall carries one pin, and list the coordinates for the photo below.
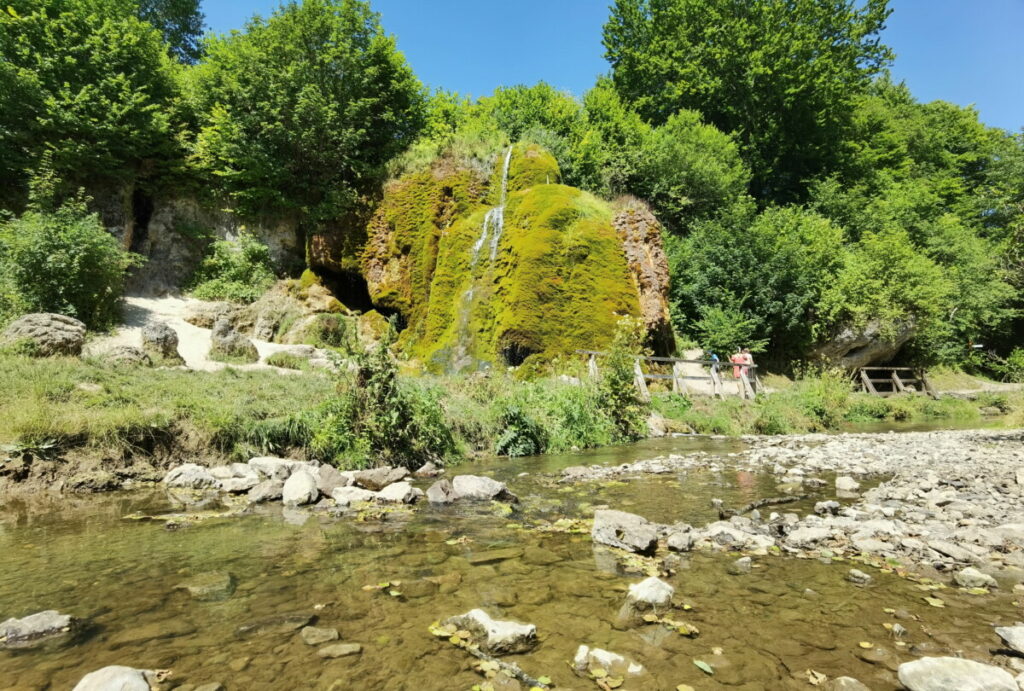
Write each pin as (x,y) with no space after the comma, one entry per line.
(640,234)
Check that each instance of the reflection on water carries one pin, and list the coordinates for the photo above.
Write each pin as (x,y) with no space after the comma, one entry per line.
(759,631)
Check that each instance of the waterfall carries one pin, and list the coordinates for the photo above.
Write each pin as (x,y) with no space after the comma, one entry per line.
(495,218)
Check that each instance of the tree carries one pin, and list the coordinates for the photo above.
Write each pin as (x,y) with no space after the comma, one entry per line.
(300,113)
(179,21)
(89,84)
(779,74)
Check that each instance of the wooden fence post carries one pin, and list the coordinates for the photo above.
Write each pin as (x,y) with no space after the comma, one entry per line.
(592,366)
(641,383)
(747,391)
(678,382)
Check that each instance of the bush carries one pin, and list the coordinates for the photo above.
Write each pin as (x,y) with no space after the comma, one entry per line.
(239,271)
(65,262)
(618,393)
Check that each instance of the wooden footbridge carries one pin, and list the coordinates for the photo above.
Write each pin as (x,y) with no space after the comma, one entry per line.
(705,375)
(889,381)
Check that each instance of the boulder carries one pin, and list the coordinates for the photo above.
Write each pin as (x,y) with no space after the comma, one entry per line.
(273,468)
(441,492)
(741,566)
(481,488)
(126,356)
(845,483)
(651,595)
(300,489)
(46,334)
(625,531)
(588,659)
(268,490)
(428,469)
(37,629)
(493,636)
(115,678)
(376,479)
(211,586)
(1013,636)
(849,347)
(346,496)
(970,577)
(399,493)
(680,539)
(949,673)
(236,478)
(226,342)
(857,576)
(206,314)
(328,478)
(160,341)
(191,476)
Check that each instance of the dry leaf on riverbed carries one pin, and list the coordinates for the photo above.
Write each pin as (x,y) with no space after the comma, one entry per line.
(816,678)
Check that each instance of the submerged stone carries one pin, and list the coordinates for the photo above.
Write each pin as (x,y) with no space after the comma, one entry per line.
(625,531)
(588,659)
(314,635)
(948,673)
(340,650)
(496,637)
(481,488)
(37,629)
(215,585)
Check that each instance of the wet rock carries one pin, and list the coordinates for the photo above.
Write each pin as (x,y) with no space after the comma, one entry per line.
(126,356)
(680,540)
(493,556)
(339,650)
(625,531)
(155,631)
(845,483)
(845,684)
(215,585)
(399,493)
(741,566)
(212,686)
(807,536)
(41,628)
(268,490)
(376,479)
(429,469)
(970,577)
(883,657)
(300,489)
(347,496)
(954,552)
(191,476)
(275,624)
(160,342)
(588,659)
(649,596)
(481,488)
(1013,636)
(825,508)
(313,635)
(46,335)
(115,678)
(496,637)
(205,314)
(273,468)
(329,478)
(441,492)
(858,577)
(538,556)
(948,673)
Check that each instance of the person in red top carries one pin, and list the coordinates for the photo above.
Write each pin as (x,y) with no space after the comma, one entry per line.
(737,359)
(747,359)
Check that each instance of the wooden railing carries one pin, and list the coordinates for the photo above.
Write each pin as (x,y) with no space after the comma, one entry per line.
(747,385)
(889,381)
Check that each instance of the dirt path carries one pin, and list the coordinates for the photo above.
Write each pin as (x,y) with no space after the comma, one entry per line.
(193,342)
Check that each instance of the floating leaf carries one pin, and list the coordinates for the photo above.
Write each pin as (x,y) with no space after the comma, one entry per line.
(544,680)
(816,678)
(867,645)
(977,591)
(889,610)
(887,626)
(934,602)
(599,673)
(395,593)
(685,687)
(613,682)
(650,618)
(704,667)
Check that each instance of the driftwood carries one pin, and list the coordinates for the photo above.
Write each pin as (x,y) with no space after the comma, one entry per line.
(724,514)
(509,668)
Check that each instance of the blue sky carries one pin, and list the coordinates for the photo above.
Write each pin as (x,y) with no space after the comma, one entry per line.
(964,51)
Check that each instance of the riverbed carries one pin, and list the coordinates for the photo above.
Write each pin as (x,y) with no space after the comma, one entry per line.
(382,583)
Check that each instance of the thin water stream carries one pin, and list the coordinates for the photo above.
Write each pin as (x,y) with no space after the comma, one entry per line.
(758,631)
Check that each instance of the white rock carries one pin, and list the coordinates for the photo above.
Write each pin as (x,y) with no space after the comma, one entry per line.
(1013,635)
(496,637)
(972,578)
(399,493)
(346,496)
(480,488)
(273,468)
(299,489)
(191,476)
(845,483)
(588,659)
(651,591)
(954,673)
(114,678)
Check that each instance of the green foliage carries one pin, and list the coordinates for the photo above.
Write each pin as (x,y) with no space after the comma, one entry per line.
(90,83)
(619,395)
(781,74)
(179,21)
(301,112)
(521,435)
(62,261)
(236,270)
(288,361)
(726,328)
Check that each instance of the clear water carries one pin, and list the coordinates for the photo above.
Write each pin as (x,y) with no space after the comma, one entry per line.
(759,631)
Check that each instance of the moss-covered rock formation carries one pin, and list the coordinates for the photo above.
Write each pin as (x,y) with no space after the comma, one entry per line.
(476,282)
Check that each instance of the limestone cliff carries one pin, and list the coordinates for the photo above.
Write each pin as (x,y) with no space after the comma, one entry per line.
(640,234)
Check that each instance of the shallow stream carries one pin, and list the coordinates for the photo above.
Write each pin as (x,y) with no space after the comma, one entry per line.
(763,630)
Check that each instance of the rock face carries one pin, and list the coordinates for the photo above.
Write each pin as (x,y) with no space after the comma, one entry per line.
(300,489)
(496,637)
(850,348)
(481,488)
(36,629)
(191,476)
(160,342)
(46,334)
(625,531)
(226,342)
(640,234)
(948,673)
(115,678)
(543,274)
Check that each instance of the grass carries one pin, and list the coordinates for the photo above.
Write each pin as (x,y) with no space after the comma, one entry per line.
(288,361)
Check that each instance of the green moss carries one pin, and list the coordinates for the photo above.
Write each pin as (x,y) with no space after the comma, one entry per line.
(531,165)
(308,279)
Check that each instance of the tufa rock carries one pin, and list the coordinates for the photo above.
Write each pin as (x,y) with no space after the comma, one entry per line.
(441,492)
(126,356)
(46,334)
(640,234)
(625,531)
(493,636)
(226,342)
(481,488)
(160,341)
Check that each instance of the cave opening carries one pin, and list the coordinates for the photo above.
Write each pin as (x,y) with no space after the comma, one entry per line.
(352,291)
(515,354)
(142,214)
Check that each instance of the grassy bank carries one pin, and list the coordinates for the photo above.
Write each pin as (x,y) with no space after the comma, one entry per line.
(370,414)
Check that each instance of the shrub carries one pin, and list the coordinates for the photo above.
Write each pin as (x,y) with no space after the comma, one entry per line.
(618,393)
(62,261)
(522,435)
(239,271)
